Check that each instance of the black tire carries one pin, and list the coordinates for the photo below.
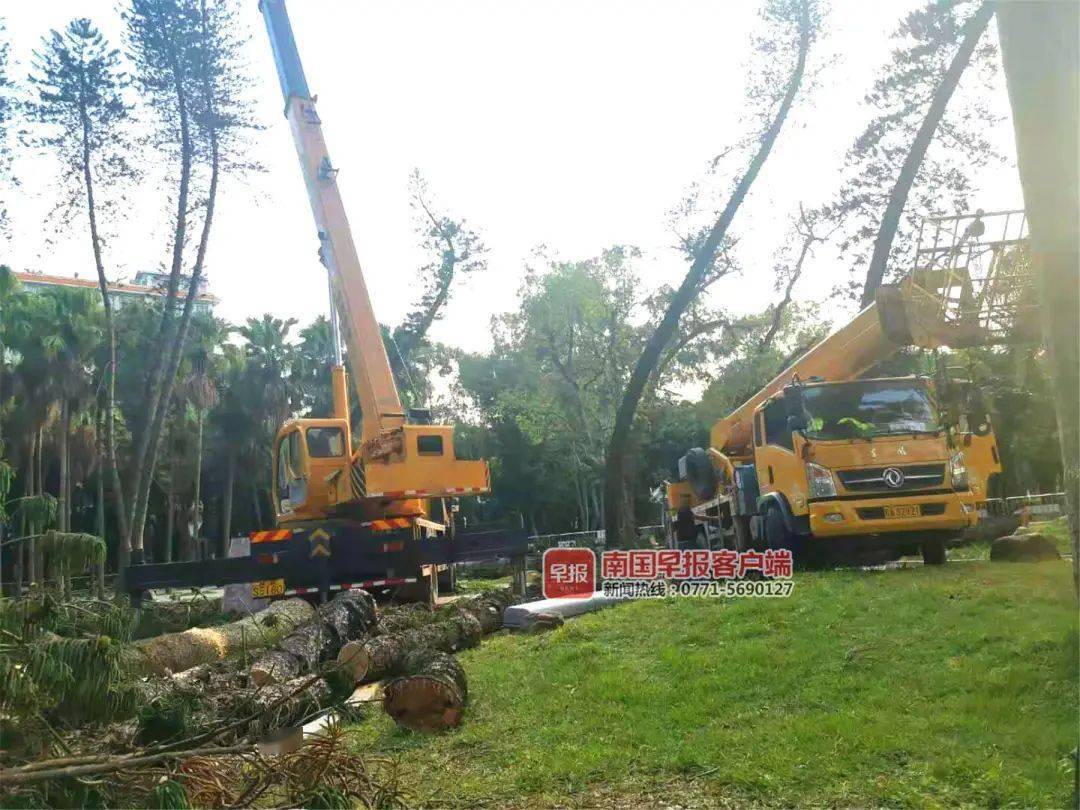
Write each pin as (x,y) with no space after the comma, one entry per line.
(776,533)
(778,536)
(744,537)
(700,474)
(686,527)
(933,552)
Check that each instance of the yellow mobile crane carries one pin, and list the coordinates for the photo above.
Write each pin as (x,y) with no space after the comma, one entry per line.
(373,510)
(824,461)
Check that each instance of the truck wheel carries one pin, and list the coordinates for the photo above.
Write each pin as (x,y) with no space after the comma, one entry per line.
(933,552)
(776,534)
(744,538)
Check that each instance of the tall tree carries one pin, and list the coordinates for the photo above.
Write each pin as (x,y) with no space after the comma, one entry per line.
(454,250)
(792,27)
(925,44)
(81,113)
(190,69)
(6,113)
(971,32)
(1042,66)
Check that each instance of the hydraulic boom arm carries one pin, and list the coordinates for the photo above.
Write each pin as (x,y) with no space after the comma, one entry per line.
(964,291)
(369,366)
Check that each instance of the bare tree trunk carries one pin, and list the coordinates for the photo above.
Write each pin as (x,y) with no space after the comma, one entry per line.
(196,503)
(31,562)
(99,501)
(226,502)
(64,506)
(1039,52)
(160,391)
(973,31)
(168,381)
(110,327)
(615,472)
(170,511)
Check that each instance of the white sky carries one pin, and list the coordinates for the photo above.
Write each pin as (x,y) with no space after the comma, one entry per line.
(576,124)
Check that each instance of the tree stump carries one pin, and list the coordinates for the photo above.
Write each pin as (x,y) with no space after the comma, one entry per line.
(431,696)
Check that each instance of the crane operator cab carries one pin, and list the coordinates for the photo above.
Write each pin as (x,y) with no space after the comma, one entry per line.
(317,471)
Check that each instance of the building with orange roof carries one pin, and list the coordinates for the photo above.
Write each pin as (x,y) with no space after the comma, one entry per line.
(147,285)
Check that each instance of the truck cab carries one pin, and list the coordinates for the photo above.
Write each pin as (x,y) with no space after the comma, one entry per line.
(858,459)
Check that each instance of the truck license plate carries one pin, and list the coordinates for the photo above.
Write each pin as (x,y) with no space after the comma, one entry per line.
(906,511)
(268,587)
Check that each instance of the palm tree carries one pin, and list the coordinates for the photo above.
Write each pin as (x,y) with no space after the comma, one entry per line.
(259,393)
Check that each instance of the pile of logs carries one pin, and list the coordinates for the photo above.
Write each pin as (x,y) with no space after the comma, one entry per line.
(348,616)
(303,660)
(412,644)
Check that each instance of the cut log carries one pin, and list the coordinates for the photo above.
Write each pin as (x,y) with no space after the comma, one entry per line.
(374,658)
(400,618)
(487,608)
(176,652)
(431,696)
(1023,547)
(349,615)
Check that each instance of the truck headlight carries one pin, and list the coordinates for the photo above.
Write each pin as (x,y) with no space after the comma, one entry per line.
(958,472)
(820,481)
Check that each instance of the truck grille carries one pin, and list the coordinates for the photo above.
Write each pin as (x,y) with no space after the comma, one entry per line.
(872,479)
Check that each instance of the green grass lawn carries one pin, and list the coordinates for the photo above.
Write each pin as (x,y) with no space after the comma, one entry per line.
(918,686)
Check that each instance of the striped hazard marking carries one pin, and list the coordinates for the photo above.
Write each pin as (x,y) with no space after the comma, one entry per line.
(270,535)
(388,524)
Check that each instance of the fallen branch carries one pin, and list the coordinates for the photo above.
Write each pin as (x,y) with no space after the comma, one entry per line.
(113,764)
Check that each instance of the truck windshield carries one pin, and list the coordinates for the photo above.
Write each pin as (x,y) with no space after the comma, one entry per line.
(866,409)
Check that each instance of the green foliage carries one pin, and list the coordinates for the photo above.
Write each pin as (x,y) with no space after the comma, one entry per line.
(169,795)
(165,718)
(64,662)
(926,40)
(7,476)
(37,510)
(75,550)
(79,112)
(326,798)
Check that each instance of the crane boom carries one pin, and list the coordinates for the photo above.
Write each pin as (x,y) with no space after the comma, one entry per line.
(369,366)
(964,291)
